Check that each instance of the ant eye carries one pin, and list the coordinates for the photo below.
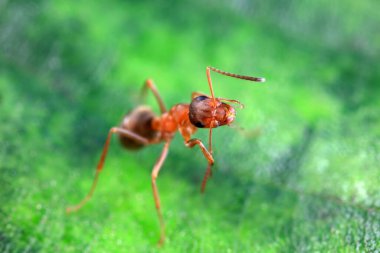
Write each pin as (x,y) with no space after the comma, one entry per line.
(201,98)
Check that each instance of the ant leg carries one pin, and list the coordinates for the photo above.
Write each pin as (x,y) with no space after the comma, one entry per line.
(191,143)
(207,175)
(156,170)
(99,168)
(208,172)
(208,155)
(149,84)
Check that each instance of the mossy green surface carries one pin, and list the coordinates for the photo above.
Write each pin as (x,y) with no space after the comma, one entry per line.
(303,175)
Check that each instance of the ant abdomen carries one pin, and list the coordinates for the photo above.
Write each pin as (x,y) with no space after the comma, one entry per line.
(139,122)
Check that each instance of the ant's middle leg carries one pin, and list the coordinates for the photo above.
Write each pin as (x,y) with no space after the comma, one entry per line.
(149,84)
(99,168)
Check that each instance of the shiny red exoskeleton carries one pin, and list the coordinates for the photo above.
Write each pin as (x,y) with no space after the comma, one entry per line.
(142,127)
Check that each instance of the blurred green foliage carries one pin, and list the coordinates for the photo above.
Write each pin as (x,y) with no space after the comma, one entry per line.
(309,182)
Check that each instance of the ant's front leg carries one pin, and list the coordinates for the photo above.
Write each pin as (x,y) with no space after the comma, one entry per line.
(99,168)
(207,154)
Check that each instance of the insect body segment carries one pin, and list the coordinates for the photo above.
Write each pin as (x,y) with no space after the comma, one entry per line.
(204,114)
(139,121)
(142,127)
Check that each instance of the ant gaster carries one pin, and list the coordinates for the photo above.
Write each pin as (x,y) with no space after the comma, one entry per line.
(142,127)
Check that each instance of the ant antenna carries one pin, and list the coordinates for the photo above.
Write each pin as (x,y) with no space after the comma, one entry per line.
(249,78)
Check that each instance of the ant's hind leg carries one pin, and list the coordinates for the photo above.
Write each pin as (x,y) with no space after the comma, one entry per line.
(99,168)
(149,84)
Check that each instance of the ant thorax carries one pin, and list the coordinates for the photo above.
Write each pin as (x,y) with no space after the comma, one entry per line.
(204,113)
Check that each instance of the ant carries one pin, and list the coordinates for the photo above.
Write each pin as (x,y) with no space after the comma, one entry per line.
(142,127)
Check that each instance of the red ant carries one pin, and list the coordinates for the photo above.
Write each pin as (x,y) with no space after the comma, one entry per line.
(142,127)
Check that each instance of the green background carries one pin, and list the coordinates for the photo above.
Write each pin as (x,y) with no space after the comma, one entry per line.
(303,175)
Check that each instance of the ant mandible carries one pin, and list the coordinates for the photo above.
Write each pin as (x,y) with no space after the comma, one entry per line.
(142,127)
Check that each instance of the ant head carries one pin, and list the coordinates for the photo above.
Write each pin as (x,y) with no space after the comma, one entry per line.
(203,112)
